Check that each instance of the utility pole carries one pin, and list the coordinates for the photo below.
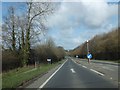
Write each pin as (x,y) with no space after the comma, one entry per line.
(87,46)
(88,50)
(35,64)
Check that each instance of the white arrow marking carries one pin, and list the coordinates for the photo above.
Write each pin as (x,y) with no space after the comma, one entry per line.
(73,71)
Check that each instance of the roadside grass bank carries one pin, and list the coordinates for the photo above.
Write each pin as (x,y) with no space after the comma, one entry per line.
(15,78)
(114,61)
(0,81)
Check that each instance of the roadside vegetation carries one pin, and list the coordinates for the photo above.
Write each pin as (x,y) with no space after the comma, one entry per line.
(24,38)
(25,44)
(38,55)
(20,76)
(103,47)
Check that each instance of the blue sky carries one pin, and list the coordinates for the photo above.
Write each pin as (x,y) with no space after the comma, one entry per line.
(20,7)
(76,22)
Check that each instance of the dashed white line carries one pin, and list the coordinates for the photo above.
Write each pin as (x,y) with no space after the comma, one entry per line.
(52,75)
(97,72)
(84,66)
(110,77)
(73,71)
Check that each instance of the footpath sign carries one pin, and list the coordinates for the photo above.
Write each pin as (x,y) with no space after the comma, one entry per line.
(89,56)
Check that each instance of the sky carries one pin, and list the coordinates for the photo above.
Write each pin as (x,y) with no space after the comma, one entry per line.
(76,22)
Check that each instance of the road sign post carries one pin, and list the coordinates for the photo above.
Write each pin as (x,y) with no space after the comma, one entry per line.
(89,56)
(49,61)
(87,47)
(87,51)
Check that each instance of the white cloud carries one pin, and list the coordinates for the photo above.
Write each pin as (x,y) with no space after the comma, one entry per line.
(86,13)
(95,15)
(92,14)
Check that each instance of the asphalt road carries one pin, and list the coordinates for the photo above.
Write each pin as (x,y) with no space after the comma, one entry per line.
(109,69)
(73,75)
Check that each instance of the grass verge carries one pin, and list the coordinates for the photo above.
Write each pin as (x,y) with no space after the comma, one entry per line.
(14,78)
(114,61)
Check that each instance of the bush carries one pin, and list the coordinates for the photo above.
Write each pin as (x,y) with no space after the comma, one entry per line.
(43,52)
(104,46)
(10,60)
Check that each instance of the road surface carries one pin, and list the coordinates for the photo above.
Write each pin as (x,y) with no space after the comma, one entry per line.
(109,69)
(73,75)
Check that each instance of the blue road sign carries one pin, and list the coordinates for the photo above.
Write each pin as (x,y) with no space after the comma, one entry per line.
(89,56)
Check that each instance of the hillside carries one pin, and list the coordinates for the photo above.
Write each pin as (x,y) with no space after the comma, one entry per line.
(104,46)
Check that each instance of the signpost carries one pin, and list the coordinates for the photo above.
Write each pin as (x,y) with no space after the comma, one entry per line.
(89,55)
(49,60)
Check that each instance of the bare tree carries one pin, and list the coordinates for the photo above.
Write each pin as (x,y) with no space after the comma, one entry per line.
(20,30)
(9,29)
(103,46)
(35,11)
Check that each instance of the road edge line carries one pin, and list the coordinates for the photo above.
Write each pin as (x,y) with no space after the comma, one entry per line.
(52,75)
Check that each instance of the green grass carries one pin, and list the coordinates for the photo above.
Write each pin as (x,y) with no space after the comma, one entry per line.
(0,81)
(115,61)
(14,78)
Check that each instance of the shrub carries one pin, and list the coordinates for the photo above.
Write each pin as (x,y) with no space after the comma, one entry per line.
(10,60)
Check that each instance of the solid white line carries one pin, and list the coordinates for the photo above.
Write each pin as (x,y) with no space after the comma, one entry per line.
(73,71)
(97,72)
(52,75)
(84,66)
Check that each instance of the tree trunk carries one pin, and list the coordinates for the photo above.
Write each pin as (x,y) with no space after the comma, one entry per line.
(13,30)
(27,39)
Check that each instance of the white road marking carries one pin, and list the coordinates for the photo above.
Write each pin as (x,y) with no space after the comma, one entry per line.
(84,66)
(74,61)
(97,72)
(52,75)
(73,71)
(110,77)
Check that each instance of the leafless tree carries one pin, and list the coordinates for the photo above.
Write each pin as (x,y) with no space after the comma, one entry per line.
(9,29)
(36,11)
